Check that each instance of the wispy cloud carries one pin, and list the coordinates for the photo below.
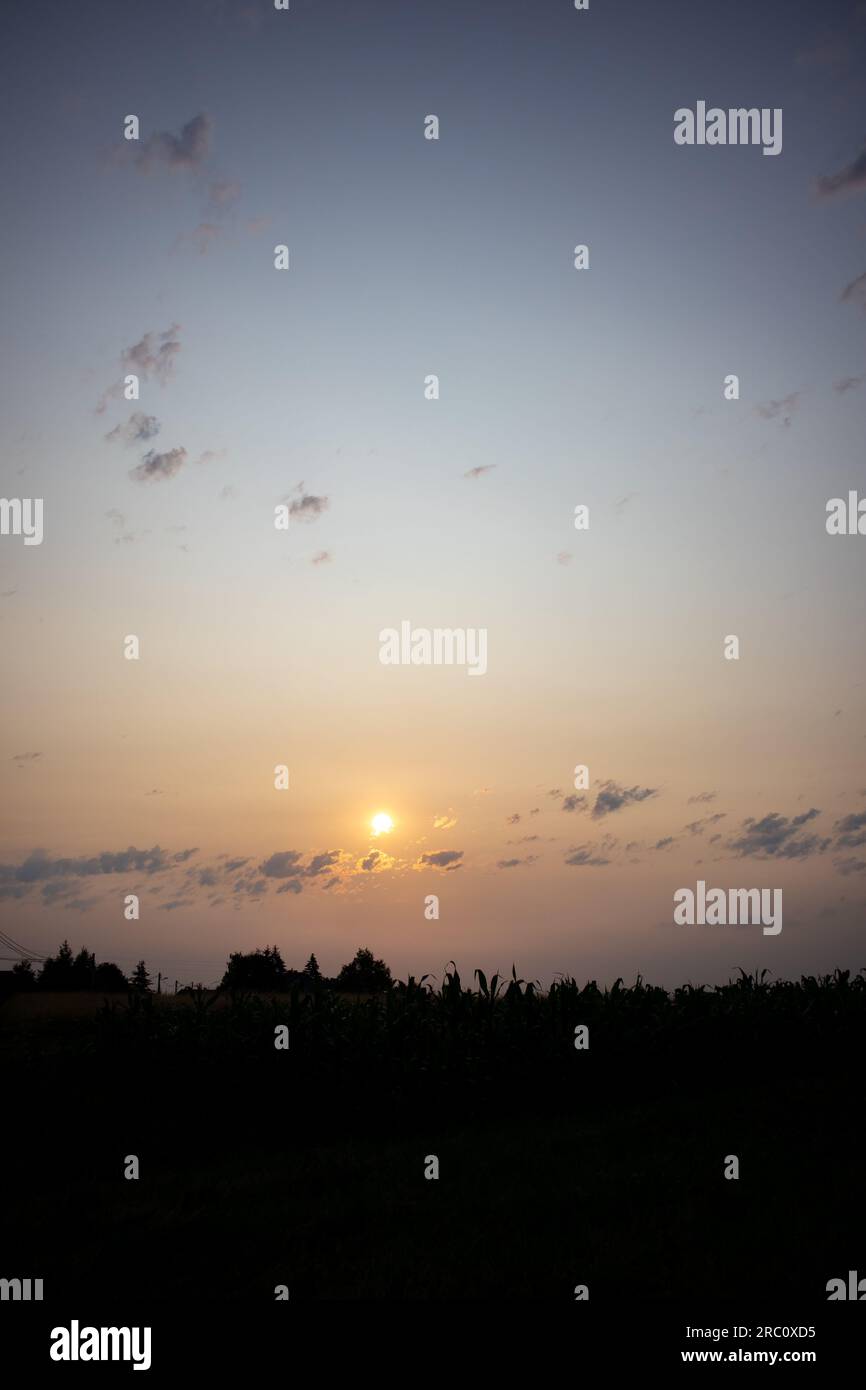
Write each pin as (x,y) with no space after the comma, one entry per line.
(613,797)
(185,152)
(779,410)
(850,179)
(155,467)
(138,429)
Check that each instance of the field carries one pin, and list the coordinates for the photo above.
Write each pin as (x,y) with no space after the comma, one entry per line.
(558,1166)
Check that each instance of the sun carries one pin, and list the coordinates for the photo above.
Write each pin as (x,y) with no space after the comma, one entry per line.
(382,823)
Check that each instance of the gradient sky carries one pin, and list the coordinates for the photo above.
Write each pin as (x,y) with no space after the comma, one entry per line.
(602,387)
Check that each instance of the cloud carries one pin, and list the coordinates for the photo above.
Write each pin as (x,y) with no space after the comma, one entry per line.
(848,383)
(185,152)
(155,466)
(371,861)
(23,758)
(855,291)
(40,866)
(663,844)
(777,837)
(482,468)
(851,831)
(138,429)
(585,856)
(322,557)
(307,507)
(222,192)
(283,865)
(321,862)
(445,822)
(613,797)
(512,820)
(446,859)
(702,796)
(851,179)
(286,864)
(154,355)
(515,863)
(849,865)
(697,827)
(773,410)
(574,803)
(203,238)
(564,557)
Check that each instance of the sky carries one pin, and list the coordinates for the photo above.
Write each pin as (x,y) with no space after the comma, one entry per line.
(304,389)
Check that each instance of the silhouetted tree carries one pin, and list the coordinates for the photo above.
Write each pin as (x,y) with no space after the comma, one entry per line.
(108,976)
(312,970)
(140,979)
(56,972)
(262,969)
(365,974)
(24,976)
(63,972)
(84,970)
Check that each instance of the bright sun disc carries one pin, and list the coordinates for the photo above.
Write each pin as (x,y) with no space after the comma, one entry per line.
(382,823)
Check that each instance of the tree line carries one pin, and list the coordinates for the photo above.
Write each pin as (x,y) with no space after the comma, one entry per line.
(262,969)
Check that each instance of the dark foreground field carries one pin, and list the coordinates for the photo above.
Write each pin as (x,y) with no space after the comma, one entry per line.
(558,1167)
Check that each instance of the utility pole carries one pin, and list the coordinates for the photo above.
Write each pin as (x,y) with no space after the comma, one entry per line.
(159,982)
